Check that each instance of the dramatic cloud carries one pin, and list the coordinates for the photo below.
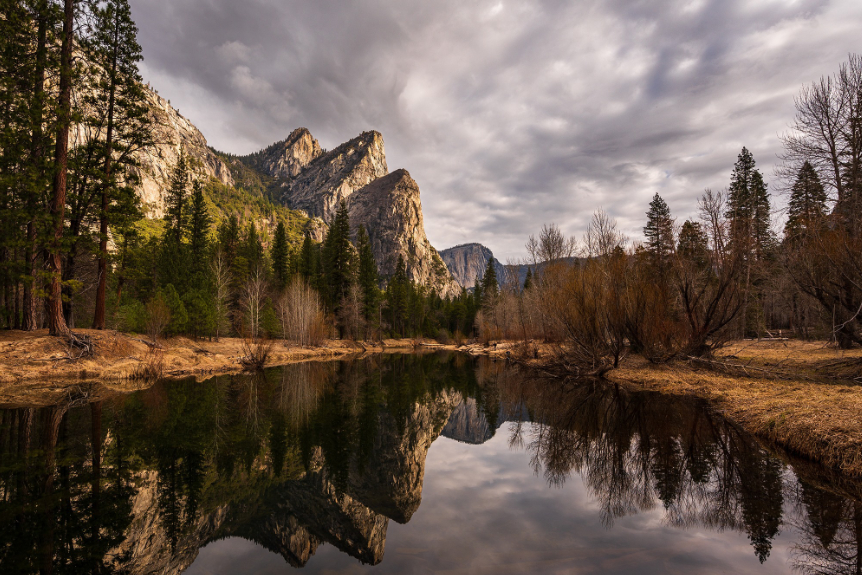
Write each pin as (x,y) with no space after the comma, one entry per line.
(509,113)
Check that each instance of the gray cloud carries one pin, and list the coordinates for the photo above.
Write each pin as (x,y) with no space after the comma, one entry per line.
(508,113)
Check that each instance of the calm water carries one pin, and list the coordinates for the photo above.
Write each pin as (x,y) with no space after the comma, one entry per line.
(407,464)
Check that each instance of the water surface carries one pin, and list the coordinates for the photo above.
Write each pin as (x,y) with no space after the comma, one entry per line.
(407,464)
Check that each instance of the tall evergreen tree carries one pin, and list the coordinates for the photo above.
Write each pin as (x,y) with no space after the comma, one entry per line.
(280,256)
(528,281)
(368,276)
(56,321)
(693,244)
(659,233)
(338,257)
(807,208)
(200,223)
(490,287)
(176,201)
(748,210)
(398,298)
(252,248)
(114,52)
(751,238)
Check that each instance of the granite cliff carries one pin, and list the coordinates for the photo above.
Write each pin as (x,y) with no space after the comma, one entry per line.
(173,132)
(387,204)
(468,262)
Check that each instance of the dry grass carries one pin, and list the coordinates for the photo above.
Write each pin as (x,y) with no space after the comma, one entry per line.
(821,421)
(36,358)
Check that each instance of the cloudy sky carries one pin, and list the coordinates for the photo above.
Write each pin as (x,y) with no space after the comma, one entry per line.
(508,113)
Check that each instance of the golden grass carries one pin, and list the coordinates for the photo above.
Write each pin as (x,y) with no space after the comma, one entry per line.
(821,421)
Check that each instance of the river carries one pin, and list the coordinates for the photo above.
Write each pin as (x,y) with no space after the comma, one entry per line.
(415,463)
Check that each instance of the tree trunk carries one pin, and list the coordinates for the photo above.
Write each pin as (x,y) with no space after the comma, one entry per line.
(56,321)
(69,274)
(37,154)
(99,316)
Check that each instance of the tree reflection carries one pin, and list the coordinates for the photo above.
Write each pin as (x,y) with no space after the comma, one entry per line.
(634,450)
(330,452)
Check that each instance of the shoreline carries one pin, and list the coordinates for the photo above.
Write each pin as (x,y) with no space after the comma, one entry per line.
(800,396)
(35,357)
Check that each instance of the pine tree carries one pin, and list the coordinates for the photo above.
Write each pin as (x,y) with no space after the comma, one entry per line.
(490,287)
(199,230)
(528,281)
(368,277)
(176,210)
(398,298)
(118,93)
(659,233)
(751,238)
(807,208)
(693,244)
(280,256)
(338,257)
(252,248)
(56,321)
(748,210)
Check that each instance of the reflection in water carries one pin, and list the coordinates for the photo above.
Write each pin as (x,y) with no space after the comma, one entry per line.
(331,452)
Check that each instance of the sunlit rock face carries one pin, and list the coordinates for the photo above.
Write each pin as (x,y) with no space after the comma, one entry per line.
(391,211)
(356,172)
(172,133)
(320,185)
(288,158)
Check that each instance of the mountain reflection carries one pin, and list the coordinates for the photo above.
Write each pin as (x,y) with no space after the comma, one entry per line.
(319,453)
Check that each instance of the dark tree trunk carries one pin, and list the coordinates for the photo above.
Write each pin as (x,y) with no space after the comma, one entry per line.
(69,273)
(37,154)
(56,321)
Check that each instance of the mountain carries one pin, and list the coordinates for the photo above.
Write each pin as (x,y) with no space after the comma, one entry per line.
(387,204)
(468,262)
(296,182)
(390,209)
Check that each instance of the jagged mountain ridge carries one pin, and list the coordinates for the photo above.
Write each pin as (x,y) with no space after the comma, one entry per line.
(387,204)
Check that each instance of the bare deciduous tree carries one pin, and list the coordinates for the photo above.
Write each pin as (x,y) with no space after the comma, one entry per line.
(300,311)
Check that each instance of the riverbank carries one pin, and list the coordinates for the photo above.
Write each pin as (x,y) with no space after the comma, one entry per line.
(784,398)
(37,357)
(805,397)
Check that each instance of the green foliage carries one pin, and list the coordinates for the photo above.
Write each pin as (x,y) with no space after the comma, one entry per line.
(280,256)
(337,258)
(368,277)
(807,209)
(659,232)
(179,314)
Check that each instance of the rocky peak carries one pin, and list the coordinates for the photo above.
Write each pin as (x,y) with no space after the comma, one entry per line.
(468,262)
(286,159)
(391,211)
(335,175)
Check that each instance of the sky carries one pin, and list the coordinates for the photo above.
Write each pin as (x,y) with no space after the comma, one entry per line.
(509,114)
